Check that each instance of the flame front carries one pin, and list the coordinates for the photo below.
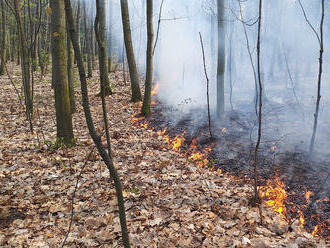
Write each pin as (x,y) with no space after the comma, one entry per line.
(199,157)
(275,193)
(136,121)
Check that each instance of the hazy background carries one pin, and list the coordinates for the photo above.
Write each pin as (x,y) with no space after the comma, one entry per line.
(289,60)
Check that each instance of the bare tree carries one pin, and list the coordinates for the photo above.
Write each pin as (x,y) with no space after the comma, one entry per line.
(319,37)
(135,87)
(256,150)
(3,38)
(99,27)
(221,59)
(145,111)
(106,156)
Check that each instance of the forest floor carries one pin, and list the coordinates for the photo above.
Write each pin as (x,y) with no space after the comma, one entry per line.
(170,202)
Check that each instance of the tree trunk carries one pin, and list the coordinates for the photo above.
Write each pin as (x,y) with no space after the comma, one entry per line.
(221,59)
(100,35)
(60,73)
(107,158)
(319,81)
(3,56)
(25,64)
(88,43)
(149,72)
(135,86)
(70,72)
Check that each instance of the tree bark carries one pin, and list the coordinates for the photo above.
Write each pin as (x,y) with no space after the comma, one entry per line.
(145,111)
(100,34)
(88,43)
(3,56)
(135,86)
(319,81)
(70,72)
(221,59)
(25,64)
(60,73)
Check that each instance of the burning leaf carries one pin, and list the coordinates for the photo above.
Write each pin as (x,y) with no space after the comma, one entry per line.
(315,231)
(162,132)
(178,142)
(301,219)
(276,194)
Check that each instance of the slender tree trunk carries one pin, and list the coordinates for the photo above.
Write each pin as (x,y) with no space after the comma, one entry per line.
(256,150)
(145,111)
(70,73)
(135,86)
(78,17)
(107,158)
(319,81)
(3,56)
(25,65)
(88,43)
(60,73)
(100,34)
(221,59)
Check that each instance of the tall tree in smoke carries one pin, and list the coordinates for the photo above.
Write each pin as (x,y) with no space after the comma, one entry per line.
(260,85)
(320,38)
(60,72)
(221,59)
(135,87)
(145,111)
(100,34)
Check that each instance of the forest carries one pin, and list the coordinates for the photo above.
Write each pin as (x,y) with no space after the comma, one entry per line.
(165,123)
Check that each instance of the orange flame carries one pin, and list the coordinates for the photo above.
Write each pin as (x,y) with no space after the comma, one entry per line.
(315,231)
(135,121)
(178,142)
(167,139)
(275,193)
(301,219)
(308,194)
(200,158)
(154,91)
(162,132)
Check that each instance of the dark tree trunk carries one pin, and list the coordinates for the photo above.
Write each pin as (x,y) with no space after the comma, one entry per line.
(3,56)
(70,73)
(25,65)
(100,35)
(107,157)
(135,86)
(145,111)
(221,60)
(88,42)
(60,73)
